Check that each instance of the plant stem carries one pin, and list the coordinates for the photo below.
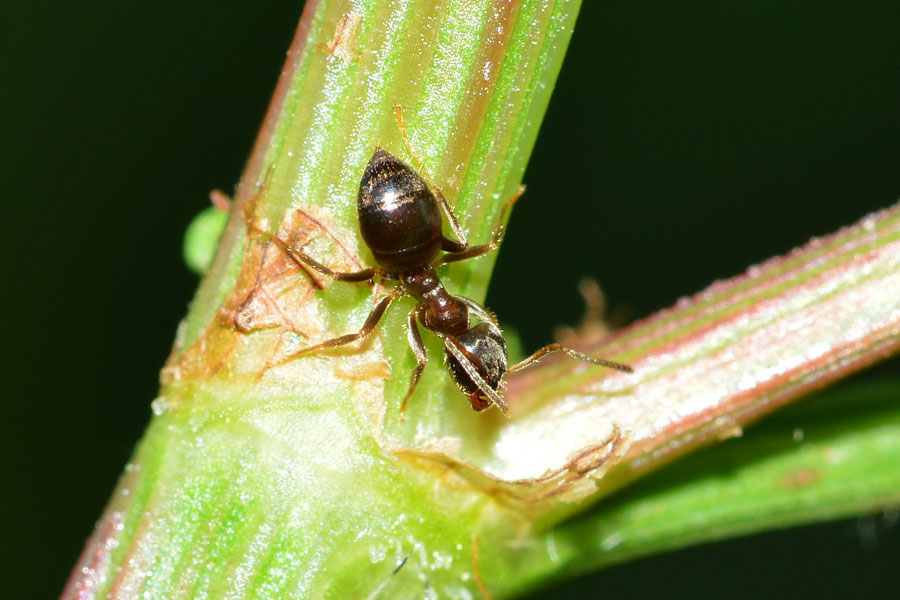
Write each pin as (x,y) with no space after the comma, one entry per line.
(264,477)
(831,457)
(283,485)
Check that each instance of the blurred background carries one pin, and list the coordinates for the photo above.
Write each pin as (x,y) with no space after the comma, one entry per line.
(683,144)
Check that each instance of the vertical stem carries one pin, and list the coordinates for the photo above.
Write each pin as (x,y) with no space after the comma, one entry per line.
(281,485)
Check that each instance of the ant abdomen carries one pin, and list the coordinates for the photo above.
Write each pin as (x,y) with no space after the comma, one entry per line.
(399,217)
(485,348)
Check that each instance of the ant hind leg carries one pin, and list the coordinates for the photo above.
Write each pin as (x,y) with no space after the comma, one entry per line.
(442,201)
(298,257)
(456,252)
(480,311)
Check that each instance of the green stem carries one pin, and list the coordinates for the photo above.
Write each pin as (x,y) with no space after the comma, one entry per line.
(300,480)
(832,457)
(284,485)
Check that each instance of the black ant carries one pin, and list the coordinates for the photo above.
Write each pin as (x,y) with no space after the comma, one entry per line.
(400,222)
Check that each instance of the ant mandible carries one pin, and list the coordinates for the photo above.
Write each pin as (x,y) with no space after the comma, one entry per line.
(400,222)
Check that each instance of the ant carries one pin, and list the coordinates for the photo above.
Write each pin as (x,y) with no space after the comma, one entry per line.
(400,222)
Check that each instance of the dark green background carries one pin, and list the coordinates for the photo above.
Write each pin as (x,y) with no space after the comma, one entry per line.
(683,144)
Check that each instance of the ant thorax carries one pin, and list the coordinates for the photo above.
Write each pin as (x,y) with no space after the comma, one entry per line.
(442,312)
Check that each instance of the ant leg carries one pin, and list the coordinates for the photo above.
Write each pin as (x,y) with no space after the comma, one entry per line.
(371,321)
(456,349)
(550,348)
(304,261)
(445,206)
(481,312)
(456,253)
(415,342)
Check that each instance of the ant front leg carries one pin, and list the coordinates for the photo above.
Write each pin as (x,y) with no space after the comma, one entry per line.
(481,312)
(371,321)
(415,342)
(457,252)
(551,348)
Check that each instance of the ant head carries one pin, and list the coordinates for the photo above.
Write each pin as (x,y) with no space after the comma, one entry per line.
(484,350)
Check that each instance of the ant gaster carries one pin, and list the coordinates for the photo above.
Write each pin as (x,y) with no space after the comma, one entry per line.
(400,222)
